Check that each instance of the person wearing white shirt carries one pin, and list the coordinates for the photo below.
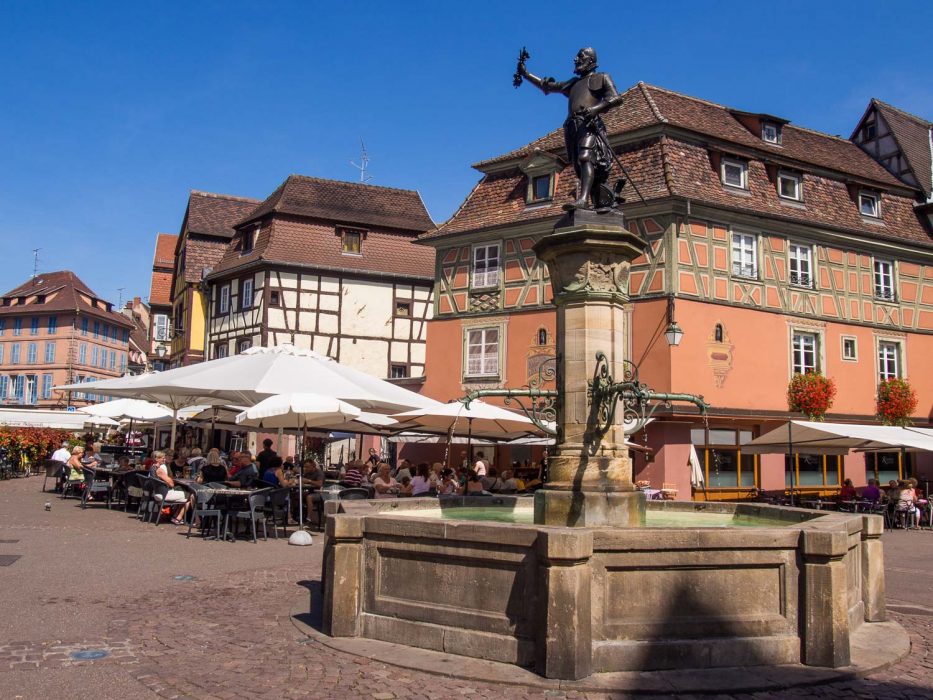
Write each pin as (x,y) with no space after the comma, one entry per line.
(63,453)
(480,466)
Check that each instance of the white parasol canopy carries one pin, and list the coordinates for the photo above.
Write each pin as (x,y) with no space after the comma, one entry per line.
(810,437)
(133,409)
(479,420)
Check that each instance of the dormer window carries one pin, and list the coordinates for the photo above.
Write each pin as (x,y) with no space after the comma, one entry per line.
(870,131)
(540,188)
(868,204)
(789,186)
(249,239)
(770,133)
(351,242)
(735,173)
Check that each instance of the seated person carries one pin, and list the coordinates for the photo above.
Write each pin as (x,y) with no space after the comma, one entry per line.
(404,469)
(491,479)
(871,492)
(353,477)
(89,459)
(274,475)
(213,469)
(312,476)
(473,484)
(178,463)
(847,492)
(384,484)
(448,484)
(421,485)
(75,464)
(289,463)
(175,498)
(243,472)
(123,464)
(405,487)
(196,462)
(508,483)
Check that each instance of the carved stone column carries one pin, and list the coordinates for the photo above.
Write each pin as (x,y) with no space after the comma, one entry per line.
(589,257)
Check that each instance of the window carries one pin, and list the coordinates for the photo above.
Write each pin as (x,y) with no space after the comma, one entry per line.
(49,353)
(1,353)
(246,293)
(540,188)
(804,353)
(220,350)
(870,131)
(744,255)
(273,298)
(403,308)
(2,326)
(868,204)
(32,388)
(884,280)
(4,387)
(123,362)
(770,132)
(17,326)
(95,356)
(249,239)
(483,352)
(113,360)
(160,326)
(812,470)
(243,345)
(14,354)
(52,324)
(96,329)
(789,186)
(18,385)
(224,302)
(889,360)
(849,348)
(82,354)
(734,173)
(114,333)
(46,386)
(722,460)
(32,353)
(885,466)
(351,242)
(34,325)
(486,265)
(800,273)
(83,326)
(398,371)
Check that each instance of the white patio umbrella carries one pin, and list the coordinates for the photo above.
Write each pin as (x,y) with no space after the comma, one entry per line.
(258,373)
(132,409)
(298,411)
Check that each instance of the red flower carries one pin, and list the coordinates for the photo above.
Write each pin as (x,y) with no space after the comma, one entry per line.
(896,401)
(811,394)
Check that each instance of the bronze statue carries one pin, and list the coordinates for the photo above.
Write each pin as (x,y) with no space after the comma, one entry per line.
(588,95)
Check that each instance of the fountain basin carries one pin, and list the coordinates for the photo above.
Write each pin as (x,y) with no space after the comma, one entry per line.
(569,602)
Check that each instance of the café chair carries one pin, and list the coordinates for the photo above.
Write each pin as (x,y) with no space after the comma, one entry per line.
(257,501)
(94,484)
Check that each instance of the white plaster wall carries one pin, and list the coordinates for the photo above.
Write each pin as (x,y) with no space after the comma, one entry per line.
(418,354)
(366,355)
(367,306)
(287,280)
(330,284)
(320,344)
(309,282)
(308,300)
(328,302)
(327,323)
(399,352)
(306,321)
(276,318)
(289,299)
(303,341)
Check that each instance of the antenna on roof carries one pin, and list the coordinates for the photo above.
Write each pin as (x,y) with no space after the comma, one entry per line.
(35,263)
(363,164)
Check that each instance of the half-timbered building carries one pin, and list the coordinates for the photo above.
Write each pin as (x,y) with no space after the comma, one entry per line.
(206,230)
(777,250)
(329,266)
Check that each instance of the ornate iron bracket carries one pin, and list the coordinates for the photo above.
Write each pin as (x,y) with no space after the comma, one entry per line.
(537,404)
(639,402)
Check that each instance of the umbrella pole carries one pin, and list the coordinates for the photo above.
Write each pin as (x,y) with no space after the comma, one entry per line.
(174,426)
(790,448)
(129,436)
(301,494)
(469,443)
(210,437)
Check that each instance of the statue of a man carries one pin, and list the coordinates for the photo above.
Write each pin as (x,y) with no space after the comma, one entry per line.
(588,95)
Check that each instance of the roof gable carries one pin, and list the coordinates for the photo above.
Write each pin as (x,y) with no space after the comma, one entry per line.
(210,214)
(914,136)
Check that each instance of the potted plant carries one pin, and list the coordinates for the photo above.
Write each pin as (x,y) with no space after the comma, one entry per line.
(896,401)
(811,394)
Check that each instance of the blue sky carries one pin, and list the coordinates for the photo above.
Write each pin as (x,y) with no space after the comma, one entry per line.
(112,112)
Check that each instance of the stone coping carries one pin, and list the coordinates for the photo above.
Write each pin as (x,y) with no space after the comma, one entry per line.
(874,647)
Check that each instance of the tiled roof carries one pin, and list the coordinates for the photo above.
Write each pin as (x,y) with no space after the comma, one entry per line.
(202,252)
(646,105)
(64,291)
(164,257)
(291,240)
(346,202)
(160,289)
(913,136)
(216,214)
(664,163)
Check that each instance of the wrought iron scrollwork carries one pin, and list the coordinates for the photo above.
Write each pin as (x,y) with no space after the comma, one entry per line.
(639,402)
(537,404)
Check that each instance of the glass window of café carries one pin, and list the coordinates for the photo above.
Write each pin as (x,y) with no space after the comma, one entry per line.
(885,466)
(812,470)
(723,463)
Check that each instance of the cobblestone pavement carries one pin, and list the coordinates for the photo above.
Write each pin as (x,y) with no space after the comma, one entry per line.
(228,632)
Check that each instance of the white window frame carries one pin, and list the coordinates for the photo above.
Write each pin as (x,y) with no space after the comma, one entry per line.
(484,275)
(854,356)
(743,175)
(246,293)
(745,245)
(798,186)
(800,339)
(224,307)
(883,285)
(220,350)
(875,212)
(487,362)
(802,276)
(243,345)
(765,126)
(889,359)
(160,326)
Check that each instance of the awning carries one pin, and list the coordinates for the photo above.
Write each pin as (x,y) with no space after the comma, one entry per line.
(809,437)
(64,420)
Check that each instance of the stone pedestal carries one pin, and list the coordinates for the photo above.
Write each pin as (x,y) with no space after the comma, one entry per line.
(590,478)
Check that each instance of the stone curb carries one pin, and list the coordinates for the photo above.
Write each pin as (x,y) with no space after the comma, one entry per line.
(875,647)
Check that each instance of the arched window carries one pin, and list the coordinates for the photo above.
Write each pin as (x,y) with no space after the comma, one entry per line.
(542,336)
(718,333)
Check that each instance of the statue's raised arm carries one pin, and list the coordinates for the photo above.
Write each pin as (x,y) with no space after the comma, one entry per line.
(589,94)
